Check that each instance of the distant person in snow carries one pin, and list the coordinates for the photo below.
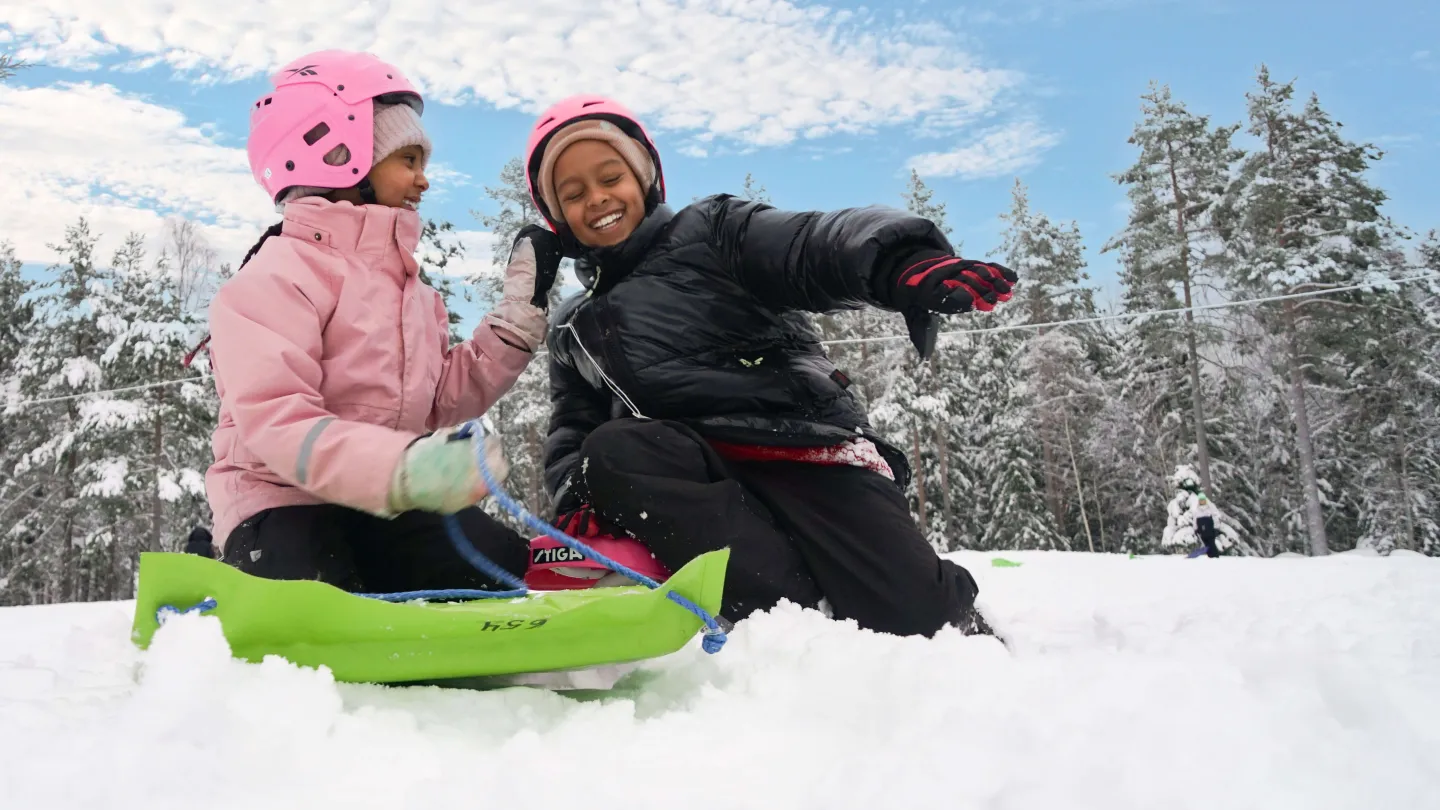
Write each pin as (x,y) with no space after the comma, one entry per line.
(335,454)
(1193,517)
(693,406)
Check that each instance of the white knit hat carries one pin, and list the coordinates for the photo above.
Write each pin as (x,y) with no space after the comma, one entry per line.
(635,155)
(396,127)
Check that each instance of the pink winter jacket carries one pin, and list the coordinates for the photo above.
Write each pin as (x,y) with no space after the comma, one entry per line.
(330,356)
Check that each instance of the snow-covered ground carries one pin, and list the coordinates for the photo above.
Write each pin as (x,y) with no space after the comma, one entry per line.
(1151,683)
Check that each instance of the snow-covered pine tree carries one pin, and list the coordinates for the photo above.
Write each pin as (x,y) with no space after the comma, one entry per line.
(1391,402)
(57,454)
(1186,506)
(1010,466)
(1065,395)
(1050,262)
(157,437)
(16,329)
(1302,217)
(439,247)
(1181,173)
(17,313)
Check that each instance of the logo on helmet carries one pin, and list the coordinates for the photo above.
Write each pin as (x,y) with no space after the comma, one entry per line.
(307,70)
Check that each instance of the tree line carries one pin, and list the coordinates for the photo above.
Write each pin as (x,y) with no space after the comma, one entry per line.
(1313,421)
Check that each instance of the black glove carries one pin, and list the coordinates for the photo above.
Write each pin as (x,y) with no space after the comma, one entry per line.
(937,282)
(548,253)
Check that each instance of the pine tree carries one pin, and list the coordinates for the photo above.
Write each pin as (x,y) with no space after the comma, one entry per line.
(16,314)
(1392,407)
(17,324)
(1302,218)
(439,247)
(1014,508)
(1050,262)
(1066,393)
(59,362)
(160,435)
(1182,172)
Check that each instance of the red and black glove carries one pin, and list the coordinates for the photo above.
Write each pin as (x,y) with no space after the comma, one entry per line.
(932,282)
(938,282)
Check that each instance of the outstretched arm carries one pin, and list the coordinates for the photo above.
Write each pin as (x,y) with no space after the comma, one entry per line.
(847,259)
(482,369)
(818,261)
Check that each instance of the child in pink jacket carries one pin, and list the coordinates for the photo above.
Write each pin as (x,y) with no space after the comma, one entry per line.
(338,389)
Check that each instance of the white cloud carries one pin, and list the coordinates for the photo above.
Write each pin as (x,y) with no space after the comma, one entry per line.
(443,180)
(997,151)
(123,163)
(759,71)
(442,175)
(479,247)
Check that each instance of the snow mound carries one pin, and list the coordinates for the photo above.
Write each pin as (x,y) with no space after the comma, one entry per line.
(1132,683)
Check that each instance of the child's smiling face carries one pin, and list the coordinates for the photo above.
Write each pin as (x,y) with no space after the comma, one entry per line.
(599,195)
(399,180)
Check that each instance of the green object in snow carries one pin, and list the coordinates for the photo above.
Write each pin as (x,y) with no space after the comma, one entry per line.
(370,641)
(1001,562)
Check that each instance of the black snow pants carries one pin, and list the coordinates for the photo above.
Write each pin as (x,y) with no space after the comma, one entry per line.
(363,553)
(795,531)
(1205,527)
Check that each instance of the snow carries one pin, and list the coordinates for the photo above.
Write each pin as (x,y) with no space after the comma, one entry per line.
(1133,683)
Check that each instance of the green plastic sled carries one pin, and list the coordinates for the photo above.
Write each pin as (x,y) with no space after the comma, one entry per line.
(370,641)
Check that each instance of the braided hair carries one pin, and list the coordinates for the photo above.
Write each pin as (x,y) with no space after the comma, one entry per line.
(273,230)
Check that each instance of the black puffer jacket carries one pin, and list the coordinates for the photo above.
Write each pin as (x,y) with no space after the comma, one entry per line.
(700,317)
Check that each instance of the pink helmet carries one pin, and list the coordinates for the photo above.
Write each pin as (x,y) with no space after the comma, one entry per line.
(320,101)
(579,108)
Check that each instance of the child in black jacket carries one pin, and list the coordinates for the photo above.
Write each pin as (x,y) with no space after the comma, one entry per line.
(693,406)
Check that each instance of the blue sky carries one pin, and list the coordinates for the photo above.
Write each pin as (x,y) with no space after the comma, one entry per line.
(139,109)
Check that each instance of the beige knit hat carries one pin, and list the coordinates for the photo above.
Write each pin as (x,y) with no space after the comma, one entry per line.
(632,151)
(396,127)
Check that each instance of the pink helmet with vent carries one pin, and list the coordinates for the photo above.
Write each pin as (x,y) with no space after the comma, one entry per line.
(320,101)
(579,108)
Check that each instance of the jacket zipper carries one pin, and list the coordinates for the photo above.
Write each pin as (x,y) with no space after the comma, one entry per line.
(610,348)
(614,387)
